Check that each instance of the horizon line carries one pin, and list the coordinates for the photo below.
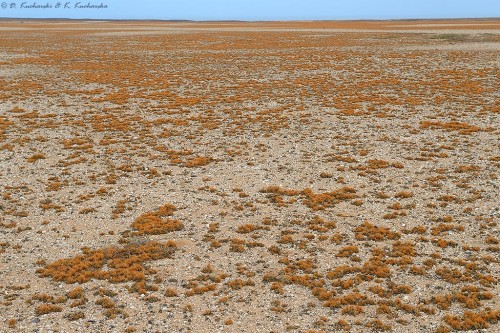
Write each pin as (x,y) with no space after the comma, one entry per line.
(251,21)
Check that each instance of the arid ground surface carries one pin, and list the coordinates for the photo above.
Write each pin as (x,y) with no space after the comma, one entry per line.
(249,177)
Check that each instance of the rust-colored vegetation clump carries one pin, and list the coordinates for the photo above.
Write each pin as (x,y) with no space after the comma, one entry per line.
(198,162)
(473,320)
(115,264)
(154,223)
(368,231)
(461,128)
(315,201)
(43,309)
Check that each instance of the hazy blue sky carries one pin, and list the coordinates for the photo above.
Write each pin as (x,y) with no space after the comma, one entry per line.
(256,9)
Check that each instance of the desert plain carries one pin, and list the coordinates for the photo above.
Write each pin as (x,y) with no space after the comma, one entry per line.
(249,176)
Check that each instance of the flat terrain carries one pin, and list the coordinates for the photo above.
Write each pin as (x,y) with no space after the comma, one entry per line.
(249,177)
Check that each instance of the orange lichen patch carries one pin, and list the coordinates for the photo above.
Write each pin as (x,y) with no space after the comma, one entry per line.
(320,225)
(403,194)
(315,201)
(491,240)
(247,228)
(377,325)
(468,296)
(119,208)
(471,296)
(44,297)
(48,204)
(174,155)
(453,276)
(443,243)
(110,122)
(141,287)
(105,302)
(368,231)
(239,283)
(347,251)
(166,210)
(443,301)
(357,299)
(394,215)
(319,201)
(353,310)
(43,309)
(473,320)
(113,264)
(341,271)
(278,287)
(375,267)
(171,292)
(340,158)
(467,168)
(237,245)
(77,143)
(325,175)
(443,227)
(35,157)
(11,323)
(400,249)
(198,290)
(344,325)
(154,223)
(78,292)
(461,128)
(447,198)
(198,162)
(4,125)
(377,164)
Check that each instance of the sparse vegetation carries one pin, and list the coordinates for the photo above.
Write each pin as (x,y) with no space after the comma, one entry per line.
(207,178)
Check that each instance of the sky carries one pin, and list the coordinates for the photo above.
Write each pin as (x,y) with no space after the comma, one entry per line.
(251,10)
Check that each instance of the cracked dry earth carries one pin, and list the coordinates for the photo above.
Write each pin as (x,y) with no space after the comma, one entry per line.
(249,177)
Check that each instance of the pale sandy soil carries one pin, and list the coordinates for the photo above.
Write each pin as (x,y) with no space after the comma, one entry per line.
(314,177)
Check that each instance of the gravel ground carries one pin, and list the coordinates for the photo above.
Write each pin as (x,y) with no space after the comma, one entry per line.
(242,177)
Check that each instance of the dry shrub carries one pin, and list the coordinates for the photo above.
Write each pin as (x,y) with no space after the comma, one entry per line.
(47,308)
(78,292)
